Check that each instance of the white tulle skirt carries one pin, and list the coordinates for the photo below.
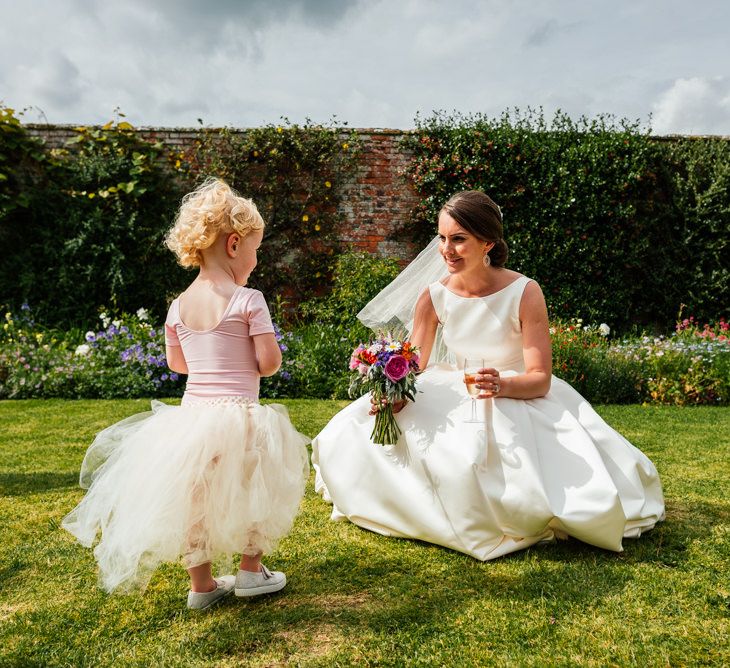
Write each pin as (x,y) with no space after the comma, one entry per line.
(202,481)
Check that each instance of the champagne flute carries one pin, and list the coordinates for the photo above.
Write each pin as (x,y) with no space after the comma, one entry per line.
(471,369)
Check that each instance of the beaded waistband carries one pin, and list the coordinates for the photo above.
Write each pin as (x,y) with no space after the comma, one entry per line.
(192,400)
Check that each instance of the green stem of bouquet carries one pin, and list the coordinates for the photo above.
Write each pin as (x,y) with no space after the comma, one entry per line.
(386,430)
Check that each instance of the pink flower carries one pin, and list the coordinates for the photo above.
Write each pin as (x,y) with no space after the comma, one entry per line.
(396,368)
(354,363)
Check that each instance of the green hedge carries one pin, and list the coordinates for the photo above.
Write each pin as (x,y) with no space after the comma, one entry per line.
(86,222)
(615,225)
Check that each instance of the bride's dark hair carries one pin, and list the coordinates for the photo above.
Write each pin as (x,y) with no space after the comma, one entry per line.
(479,215)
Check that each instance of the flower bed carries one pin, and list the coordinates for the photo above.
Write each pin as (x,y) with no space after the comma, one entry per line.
(125,357)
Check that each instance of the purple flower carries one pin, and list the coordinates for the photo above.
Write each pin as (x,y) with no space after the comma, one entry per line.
(285,375)
(396,368)
(173,376)
(164,376)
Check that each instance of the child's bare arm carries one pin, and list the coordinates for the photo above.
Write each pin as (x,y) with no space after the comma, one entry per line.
(268,354)
(176,359)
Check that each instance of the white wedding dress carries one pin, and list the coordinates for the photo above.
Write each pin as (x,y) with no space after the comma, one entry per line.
(533,469)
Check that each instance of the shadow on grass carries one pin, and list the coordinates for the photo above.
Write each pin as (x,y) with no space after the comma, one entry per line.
(21,484)
(687,521)
(347,589)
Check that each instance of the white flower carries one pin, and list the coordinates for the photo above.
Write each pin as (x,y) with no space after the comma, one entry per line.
(89,336)
(552,330)
(604,329)
(105,319)
(142,313)
(586,328)
(83,349)
(375,349)
(117,323)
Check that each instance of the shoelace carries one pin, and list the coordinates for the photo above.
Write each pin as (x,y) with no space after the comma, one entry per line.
(266,572)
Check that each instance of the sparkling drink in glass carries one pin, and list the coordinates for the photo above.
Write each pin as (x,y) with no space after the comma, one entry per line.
(471,369)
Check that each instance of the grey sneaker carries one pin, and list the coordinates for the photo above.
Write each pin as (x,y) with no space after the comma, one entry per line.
(263,582)
(203,600)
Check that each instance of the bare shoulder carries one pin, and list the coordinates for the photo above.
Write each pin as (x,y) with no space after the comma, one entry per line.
(506,277)
(532,303)
(510,275)
(424,304)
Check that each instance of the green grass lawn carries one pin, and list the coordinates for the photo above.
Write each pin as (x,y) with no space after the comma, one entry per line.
(358,598)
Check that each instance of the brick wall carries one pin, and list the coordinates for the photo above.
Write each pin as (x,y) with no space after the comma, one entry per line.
(377,200)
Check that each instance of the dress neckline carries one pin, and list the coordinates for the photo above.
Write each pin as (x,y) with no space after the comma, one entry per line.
(491,294)
(218,324)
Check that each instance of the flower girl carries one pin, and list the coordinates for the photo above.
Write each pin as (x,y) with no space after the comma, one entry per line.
(219,474)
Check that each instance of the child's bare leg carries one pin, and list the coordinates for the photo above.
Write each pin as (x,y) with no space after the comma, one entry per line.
(250,563)
(201,578)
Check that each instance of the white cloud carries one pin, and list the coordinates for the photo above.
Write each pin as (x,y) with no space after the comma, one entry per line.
(698,105)
(372,63)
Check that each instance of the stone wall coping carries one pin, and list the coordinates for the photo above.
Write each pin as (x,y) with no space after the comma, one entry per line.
(49,127)
(46,127)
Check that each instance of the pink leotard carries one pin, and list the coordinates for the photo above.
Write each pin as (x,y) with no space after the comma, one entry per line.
(222,360)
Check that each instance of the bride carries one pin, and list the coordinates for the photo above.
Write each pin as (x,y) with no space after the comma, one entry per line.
(537,463)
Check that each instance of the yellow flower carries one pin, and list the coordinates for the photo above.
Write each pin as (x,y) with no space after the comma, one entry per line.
(255,154)
(92,195)
(279,130)
(272,151)
(39,337)
(317,227)
(345,146)
(327,184)
(177,164)
(305,217)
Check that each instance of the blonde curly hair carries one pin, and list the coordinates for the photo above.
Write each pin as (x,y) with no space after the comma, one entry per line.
(213,208)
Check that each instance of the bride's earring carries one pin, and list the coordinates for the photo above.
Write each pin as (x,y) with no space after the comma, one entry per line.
(487,260)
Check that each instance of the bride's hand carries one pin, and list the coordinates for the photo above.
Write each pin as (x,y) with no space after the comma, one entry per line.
(398,406)
(489,383)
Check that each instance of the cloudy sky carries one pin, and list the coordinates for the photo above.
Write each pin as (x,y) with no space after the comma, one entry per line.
(371,63)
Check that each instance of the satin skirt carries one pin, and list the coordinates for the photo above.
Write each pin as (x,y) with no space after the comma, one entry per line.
(200,481)
(530,471)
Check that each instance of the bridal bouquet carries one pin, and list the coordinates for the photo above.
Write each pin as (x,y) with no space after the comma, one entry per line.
(387,368)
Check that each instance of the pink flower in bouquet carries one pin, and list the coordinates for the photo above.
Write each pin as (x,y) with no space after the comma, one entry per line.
(396,368)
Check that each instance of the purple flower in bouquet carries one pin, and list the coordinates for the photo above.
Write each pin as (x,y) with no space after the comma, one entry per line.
(397,367)
(388,368)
